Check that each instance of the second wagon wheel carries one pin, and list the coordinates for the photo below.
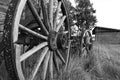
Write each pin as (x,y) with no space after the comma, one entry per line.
(85,42)
(36,38)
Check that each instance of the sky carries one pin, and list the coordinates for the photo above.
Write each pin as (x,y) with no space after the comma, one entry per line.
(107,13)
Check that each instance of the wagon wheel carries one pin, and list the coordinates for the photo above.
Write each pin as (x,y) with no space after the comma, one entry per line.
(85,42)
(36,39)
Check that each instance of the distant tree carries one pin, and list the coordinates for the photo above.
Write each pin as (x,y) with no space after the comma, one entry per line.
(69,9)
(83,14)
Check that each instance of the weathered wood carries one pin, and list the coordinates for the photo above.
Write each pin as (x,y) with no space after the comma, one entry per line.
(5,2)
(2,18)
(32,32)
(32,51)
(38,64)
(3,9)
(19,50)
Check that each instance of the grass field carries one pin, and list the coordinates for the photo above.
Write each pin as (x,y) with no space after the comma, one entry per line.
(102,64)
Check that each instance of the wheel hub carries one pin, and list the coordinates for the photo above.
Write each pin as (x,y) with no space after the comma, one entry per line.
(57,40)
(52,40)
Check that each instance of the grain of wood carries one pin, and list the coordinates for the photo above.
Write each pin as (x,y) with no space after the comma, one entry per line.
(5,2)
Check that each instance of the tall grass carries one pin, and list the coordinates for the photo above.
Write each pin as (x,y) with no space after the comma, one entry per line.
(102,64)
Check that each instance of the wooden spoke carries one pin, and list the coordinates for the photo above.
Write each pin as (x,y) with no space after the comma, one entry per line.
(65,32)
(55,59)
(60,56)
(37,65)
(32,32)
(19,68)
(36,15)
(56,15)
(45,65)
(60,24)
(32,51)
(51,66)
(68,55)
(45,14)
(51,12)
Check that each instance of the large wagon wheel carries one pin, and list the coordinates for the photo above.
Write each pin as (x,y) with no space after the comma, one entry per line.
(36,38)
(85,42)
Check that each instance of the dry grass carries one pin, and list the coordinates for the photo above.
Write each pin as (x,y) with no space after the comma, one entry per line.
(102,64)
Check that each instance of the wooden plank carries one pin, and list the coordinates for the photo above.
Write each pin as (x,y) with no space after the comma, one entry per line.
(5,2)
(3,8)
(2,17)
